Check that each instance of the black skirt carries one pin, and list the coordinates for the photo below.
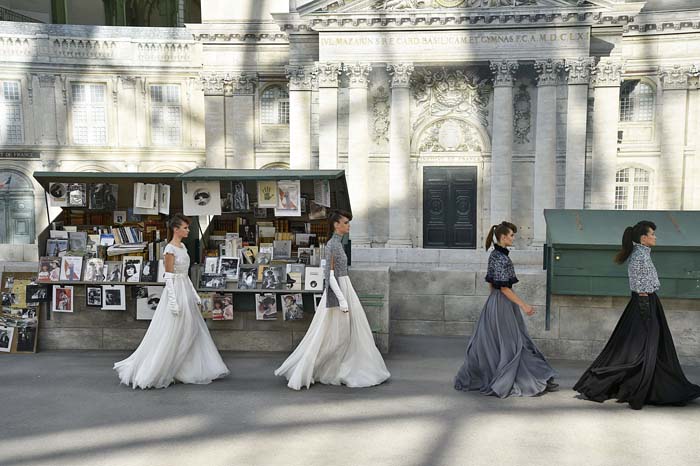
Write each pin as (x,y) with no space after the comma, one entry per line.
(639,364)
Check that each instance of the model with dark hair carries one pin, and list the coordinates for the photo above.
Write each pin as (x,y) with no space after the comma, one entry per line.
(639,364)
(177,346)
(339,347)
(501,358)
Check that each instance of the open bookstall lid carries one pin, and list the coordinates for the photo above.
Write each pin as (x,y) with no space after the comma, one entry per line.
(604,228)
(224,174)
(44,178)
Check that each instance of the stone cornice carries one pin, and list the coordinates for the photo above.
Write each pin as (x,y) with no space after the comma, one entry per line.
(673,22)
(578,70)
(548,71)
(228,84)
(400,74)
(358,74)
(242,37)
(503,72)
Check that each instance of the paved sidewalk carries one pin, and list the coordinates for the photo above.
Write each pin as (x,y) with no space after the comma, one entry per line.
(66,408)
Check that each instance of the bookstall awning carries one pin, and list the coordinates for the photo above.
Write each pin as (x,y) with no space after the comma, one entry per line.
(223,174)
(44,178)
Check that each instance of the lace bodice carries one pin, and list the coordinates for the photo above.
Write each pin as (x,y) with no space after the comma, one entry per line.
(641,271)
(501,272)
(182,259)
(334,254)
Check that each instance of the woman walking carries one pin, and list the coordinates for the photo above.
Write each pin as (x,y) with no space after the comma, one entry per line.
(501,358)
(639,364)
(177,346)
(338,348)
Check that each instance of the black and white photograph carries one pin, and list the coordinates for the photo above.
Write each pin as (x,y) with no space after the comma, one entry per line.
(103,196)
(71,268)
(273,277)
(322,193)
(288,199)
(260,212)
(56,247)
(247,277)
(94,270)
(58,194)
(145,196)
(313,279)
(201,198)
(292,306)
(227,203)
(304,255)
(295,274)
(214,281)
(6,334)
(119,217)
(266,306)
(38,293)
(77,195)
(228,266)
(149,272)
(77,240)
(113,271)
(8,298)
(132,268)
(93,296)
(147,304)
(113,297)
(26,338)
(211,264)
(164,199)
(282,249)
(247,234)
(240,199)
(49,269)
(62,299)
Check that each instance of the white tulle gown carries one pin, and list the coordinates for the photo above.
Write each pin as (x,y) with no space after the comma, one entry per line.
(176,348)
(338,348)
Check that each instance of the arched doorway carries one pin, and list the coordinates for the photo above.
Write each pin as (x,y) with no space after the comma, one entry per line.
(16,208)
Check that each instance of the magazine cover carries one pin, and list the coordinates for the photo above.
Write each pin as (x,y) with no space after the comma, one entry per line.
(247,277)
(94,270)
(77,240)
(71,268)
(313,280)
(201,198)
(207,304)
(266,306)
(49,269)
(273,277)
(131,269)
(292,306)
(56,247)
(295,274)
(222,306)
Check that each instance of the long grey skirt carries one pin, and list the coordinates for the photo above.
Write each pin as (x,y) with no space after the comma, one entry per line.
(501,358)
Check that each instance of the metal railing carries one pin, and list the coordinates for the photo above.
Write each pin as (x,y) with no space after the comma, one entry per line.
(9,15)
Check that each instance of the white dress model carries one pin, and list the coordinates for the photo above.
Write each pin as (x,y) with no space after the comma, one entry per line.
(177,346)
(338,348)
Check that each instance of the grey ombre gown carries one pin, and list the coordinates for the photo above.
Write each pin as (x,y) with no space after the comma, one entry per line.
(501,358)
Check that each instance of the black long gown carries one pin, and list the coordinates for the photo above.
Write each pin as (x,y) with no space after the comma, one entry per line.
(639,364)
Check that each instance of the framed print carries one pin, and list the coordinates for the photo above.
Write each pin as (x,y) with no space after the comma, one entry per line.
(62,299)
(267,194)
(201,198)
(58,194)
(215,281)
(38,293)
(131,269)
(273,277)
(228,266)
(240,202)
(93,296)
(71,268)
(113,271)
(113,298)
(119,217)
(288,199)
(6,335)
(77,195)
(211,264)
(49,269)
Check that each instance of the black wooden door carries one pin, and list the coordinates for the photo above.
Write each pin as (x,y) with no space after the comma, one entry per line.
(449,207)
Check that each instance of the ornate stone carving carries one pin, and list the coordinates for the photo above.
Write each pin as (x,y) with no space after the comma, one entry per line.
(675,77)
(84,48)
(496,3)
(503,72)
(241,37)
(548,71)
(400,74)
(128,82)
(398,5)
(578,70)
(380,115)
(522,108)
(327,74)
(358,74)
(46,80)
(300,77)
(607,73)
(241,83)
(446,92)
(163,52)
(390,5)
(16,47)
(450,135)
(212,84)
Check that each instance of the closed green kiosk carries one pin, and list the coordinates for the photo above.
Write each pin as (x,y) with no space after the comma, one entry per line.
(581,245)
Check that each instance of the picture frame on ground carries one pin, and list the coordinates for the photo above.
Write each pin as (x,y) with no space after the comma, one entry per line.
(113,271)
(6,336)
(38,294)
(292,306)
(228,266)
(62,299)
(26,336)
(212,280)
(266,306)
(113,297)
(146,306)
(273,277)
(49,269)
(131,270)
(71,268)
(93,296)
(94,270)
(247,277)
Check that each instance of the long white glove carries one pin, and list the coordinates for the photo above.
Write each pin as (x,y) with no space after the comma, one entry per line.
(170,286)
(342,303)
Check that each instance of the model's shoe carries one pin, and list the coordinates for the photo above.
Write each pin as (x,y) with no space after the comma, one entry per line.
(552,386)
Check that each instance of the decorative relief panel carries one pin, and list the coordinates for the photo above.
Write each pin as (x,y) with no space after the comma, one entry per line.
(84,48)
(300,78)
(417,4)
(445,92)
(450,135)
(675,76)
(548,71)
(578,70)
(16,47)
(608,73)
(522,114)
(163,52)
(380,115)
(503,72)
(358,74)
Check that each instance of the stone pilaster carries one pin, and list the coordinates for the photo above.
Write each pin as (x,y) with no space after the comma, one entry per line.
(578,75)
(239,96)
(300,87)
(607,76)
(502,147)
(358,151)
(399,157)
(327,77)
(215,120)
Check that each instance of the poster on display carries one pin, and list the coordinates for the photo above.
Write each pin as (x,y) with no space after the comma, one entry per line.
(201,198)
(322,193)
(113,298)
(267,194)
(288,199)
(62,299)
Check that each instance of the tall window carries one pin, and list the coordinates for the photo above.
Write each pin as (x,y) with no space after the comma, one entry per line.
(632,189)
(274,106)
(89,114)
(11,128)
(636,101)
(166,121)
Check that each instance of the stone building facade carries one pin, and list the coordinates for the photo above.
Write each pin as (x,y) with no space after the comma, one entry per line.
(447,115)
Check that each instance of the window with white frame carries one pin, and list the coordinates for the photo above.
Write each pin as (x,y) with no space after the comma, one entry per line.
(166,114)
(632,189)
(636,101)
(89,113)
(11,127)
(274,106)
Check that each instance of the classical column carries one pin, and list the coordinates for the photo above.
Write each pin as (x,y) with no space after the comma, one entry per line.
(669,178)
(239,92)
(327,76)
(300,84)
(606,116)
(399,157)
(358,152)
(502,146)
(578,74)
(545,180)
(214,121)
